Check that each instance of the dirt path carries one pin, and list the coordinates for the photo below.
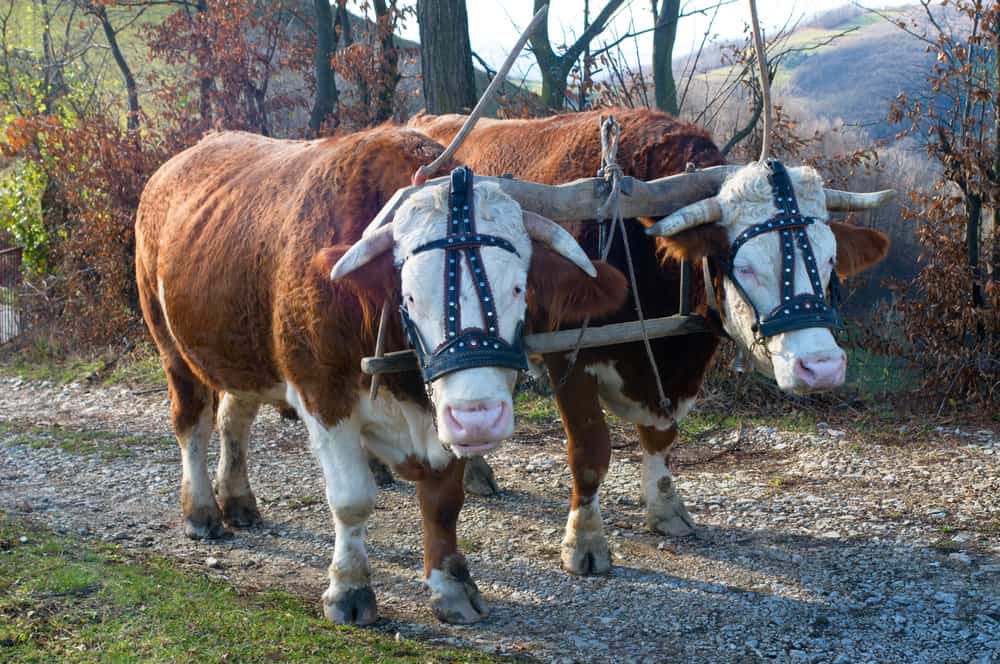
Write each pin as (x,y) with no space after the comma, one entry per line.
(813,547)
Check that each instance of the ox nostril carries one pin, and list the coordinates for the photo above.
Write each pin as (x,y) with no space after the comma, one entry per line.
(825,370)
(803,371)
(477,416)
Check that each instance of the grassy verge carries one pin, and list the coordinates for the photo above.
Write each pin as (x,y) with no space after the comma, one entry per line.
(535,408)
(106,444)
(65,600)
(139,368)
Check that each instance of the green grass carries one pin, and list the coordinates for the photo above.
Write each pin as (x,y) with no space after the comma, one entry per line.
(143,369)
(65,600)
(41,362)
(704,422)
(535,408)
(61,372)
(106,444)
(875,375)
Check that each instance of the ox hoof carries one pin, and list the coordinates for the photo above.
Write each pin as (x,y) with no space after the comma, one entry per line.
(241,511)
(479,478)
(204,524)
(457,602)
(667,514)
(350,606)
(381,473)
(587,555)
(455,599)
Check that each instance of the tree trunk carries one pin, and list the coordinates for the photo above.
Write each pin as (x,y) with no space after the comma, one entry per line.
(974,209)
(449,83)
(554,68)
(994,240)
(205,82)
(116,52)
(388,56)
(326,83)
(664,35)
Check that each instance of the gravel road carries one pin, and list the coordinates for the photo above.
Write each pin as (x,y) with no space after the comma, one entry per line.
(812,547)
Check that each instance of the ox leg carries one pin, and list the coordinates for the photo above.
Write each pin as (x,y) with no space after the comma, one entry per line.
(232,485)
(479,478)
(588,445)
(454,595)
(192,412)
(350,491)
(665,511)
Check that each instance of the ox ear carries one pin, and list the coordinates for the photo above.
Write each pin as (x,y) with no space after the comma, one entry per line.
(858,248)
(559,293)
(694,243)
(372,282)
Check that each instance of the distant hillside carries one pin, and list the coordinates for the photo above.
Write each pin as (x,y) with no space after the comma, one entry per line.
(855,77)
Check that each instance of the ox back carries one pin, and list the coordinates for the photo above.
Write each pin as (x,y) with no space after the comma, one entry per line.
(560,149)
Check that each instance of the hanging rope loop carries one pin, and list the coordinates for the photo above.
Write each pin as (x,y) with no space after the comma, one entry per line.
(611,209)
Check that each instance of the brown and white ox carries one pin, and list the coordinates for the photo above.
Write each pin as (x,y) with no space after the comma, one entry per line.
(652,145)
(236,238)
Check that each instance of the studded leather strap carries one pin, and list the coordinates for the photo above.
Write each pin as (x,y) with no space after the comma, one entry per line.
(794,312)
(465,347)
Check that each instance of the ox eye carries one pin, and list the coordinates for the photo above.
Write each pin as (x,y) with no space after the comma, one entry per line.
(744,270)
(409,298)
(518,290)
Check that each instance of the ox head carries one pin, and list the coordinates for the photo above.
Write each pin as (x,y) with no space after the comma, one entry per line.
(776,255)
(471,304)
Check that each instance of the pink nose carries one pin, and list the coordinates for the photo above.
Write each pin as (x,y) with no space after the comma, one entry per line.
(821,372)
(479,422)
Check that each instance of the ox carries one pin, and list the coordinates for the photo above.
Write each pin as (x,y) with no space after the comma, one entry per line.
(236,241)
(565,147)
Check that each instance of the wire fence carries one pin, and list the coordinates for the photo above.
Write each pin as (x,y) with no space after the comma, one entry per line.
(10,282)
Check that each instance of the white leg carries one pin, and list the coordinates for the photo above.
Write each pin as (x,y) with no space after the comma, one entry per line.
(350,491)
(232,484)
(202,518)
(584,548)
(665,511)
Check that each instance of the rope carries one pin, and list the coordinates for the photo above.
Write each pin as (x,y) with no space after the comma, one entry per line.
(613,174)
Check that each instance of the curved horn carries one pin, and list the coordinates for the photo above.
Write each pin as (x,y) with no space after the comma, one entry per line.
(849,201)
(363,252)
(705,211)
(558,239)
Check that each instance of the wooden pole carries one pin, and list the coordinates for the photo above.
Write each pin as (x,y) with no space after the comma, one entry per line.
(765,81)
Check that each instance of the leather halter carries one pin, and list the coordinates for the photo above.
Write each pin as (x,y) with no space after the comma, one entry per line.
(465,347)
(794,312)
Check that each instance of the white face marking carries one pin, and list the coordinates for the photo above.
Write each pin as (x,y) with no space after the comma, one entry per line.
(611,388)
(473,405)
(746,200)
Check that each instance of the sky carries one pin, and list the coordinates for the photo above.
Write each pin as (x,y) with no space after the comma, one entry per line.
(494,25)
